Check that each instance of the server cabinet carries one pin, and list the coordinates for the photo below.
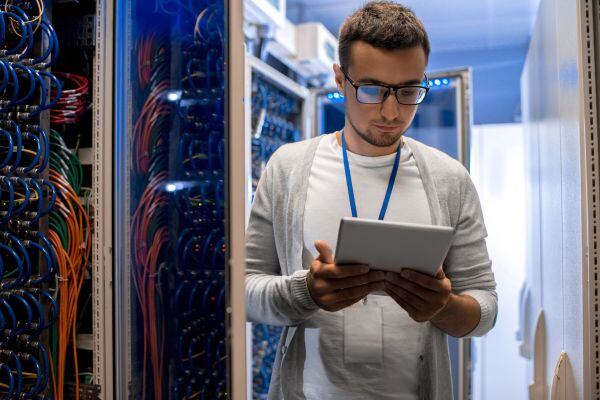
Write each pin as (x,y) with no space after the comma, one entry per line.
(179,203)
(279,111)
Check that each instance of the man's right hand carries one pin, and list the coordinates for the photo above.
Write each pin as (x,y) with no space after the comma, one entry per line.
(335,287)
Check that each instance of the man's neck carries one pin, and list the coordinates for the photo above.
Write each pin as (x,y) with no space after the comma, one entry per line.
(358,145)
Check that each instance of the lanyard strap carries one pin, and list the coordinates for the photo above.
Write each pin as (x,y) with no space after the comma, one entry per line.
(390,187)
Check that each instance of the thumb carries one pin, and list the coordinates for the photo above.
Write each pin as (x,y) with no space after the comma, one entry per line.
(325,252)
(440,274)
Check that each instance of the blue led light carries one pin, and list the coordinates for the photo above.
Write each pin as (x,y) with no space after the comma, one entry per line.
(336,95)
(445,81)
(330,96)
(437,82)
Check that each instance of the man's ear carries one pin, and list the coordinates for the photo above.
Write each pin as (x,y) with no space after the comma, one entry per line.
(339,78)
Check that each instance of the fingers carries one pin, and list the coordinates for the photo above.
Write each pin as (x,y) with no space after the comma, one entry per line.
(344,283)
(344,304)
(425,281)
(356,292)
(440,273)
(417,302)
(412,311)
(325,252)
(332,271)
(420,292)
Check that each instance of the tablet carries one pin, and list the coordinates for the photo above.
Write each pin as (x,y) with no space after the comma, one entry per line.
(393,246)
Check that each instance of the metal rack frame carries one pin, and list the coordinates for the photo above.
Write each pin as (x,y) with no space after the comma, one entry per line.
(589,59)
(102,257)
(237,203)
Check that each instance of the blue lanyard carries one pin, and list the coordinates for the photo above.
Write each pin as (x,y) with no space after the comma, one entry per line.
(390,187)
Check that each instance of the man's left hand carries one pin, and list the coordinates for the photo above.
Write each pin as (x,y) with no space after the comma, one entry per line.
(422,296)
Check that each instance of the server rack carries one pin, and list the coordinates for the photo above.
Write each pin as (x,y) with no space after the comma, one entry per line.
(179,200)
(279,112)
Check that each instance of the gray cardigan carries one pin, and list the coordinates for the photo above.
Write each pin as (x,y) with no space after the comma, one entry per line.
(277,260)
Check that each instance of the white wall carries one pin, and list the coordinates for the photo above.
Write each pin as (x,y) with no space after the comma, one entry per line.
(497,169)
(552,165)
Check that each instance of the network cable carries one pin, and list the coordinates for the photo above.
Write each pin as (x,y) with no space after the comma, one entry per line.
(28,261)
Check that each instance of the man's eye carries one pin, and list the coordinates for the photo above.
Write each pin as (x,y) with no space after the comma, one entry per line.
(408,92)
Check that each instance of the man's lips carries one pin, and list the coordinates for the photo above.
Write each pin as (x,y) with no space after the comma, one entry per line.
(386,128)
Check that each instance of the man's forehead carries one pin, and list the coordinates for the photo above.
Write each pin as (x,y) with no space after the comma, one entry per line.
(391,67)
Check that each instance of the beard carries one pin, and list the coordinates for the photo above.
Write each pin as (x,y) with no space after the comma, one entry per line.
(374,139)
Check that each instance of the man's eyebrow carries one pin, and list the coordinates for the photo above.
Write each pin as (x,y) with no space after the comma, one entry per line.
(367,79)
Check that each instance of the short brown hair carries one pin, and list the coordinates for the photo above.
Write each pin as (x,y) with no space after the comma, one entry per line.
(382,24)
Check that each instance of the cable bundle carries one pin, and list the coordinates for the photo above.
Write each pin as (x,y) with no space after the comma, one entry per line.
(73,103)
(28,261)
(198,303)
(70,235)
(177,227)
(149,224)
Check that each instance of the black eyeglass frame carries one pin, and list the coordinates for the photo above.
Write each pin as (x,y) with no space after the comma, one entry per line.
(389,88)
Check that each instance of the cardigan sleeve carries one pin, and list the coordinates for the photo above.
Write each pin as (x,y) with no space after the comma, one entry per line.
(270,297)
(467,264)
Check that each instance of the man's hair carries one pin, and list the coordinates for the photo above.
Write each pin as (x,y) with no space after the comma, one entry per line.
(382,24)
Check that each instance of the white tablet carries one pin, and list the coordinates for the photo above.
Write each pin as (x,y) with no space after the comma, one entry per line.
(393,246)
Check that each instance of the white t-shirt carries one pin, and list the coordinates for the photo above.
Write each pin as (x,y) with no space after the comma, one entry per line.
(325,374)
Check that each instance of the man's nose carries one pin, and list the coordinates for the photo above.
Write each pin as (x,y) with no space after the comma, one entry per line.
(390,108)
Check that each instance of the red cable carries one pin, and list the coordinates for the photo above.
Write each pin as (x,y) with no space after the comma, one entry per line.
(73,103)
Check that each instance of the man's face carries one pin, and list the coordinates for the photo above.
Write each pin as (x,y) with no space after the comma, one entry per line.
(380,125)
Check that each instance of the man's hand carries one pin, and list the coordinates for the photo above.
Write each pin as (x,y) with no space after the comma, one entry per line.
(422,296)
(335,287)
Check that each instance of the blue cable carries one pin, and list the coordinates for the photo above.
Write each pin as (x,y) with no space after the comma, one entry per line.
(45,27)
(20,277)
(55,48)
(2,29)
(5,77)
(24,35)
(37,305)
(50,249)
(43,95)
(39,375)
(26,325)
(17,366)
(58,86)
(15,87)
(38,152)
(28,34)
(52,302)
(32,85)
(52,189)
(26,259)
(10,146)
(19,140)
(6,368)
(46,146)
(27,194)
(49,271)
(11,313)
(45,360)
(11,200)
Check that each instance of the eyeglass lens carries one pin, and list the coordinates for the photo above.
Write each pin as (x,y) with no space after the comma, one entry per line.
(373,94)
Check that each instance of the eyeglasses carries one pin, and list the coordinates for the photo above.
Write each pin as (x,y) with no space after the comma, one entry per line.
(368,93)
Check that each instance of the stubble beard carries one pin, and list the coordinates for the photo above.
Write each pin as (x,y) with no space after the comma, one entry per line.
(376,140)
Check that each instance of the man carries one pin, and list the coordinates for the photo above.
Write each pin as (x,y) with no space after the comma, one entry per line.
(335,346)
